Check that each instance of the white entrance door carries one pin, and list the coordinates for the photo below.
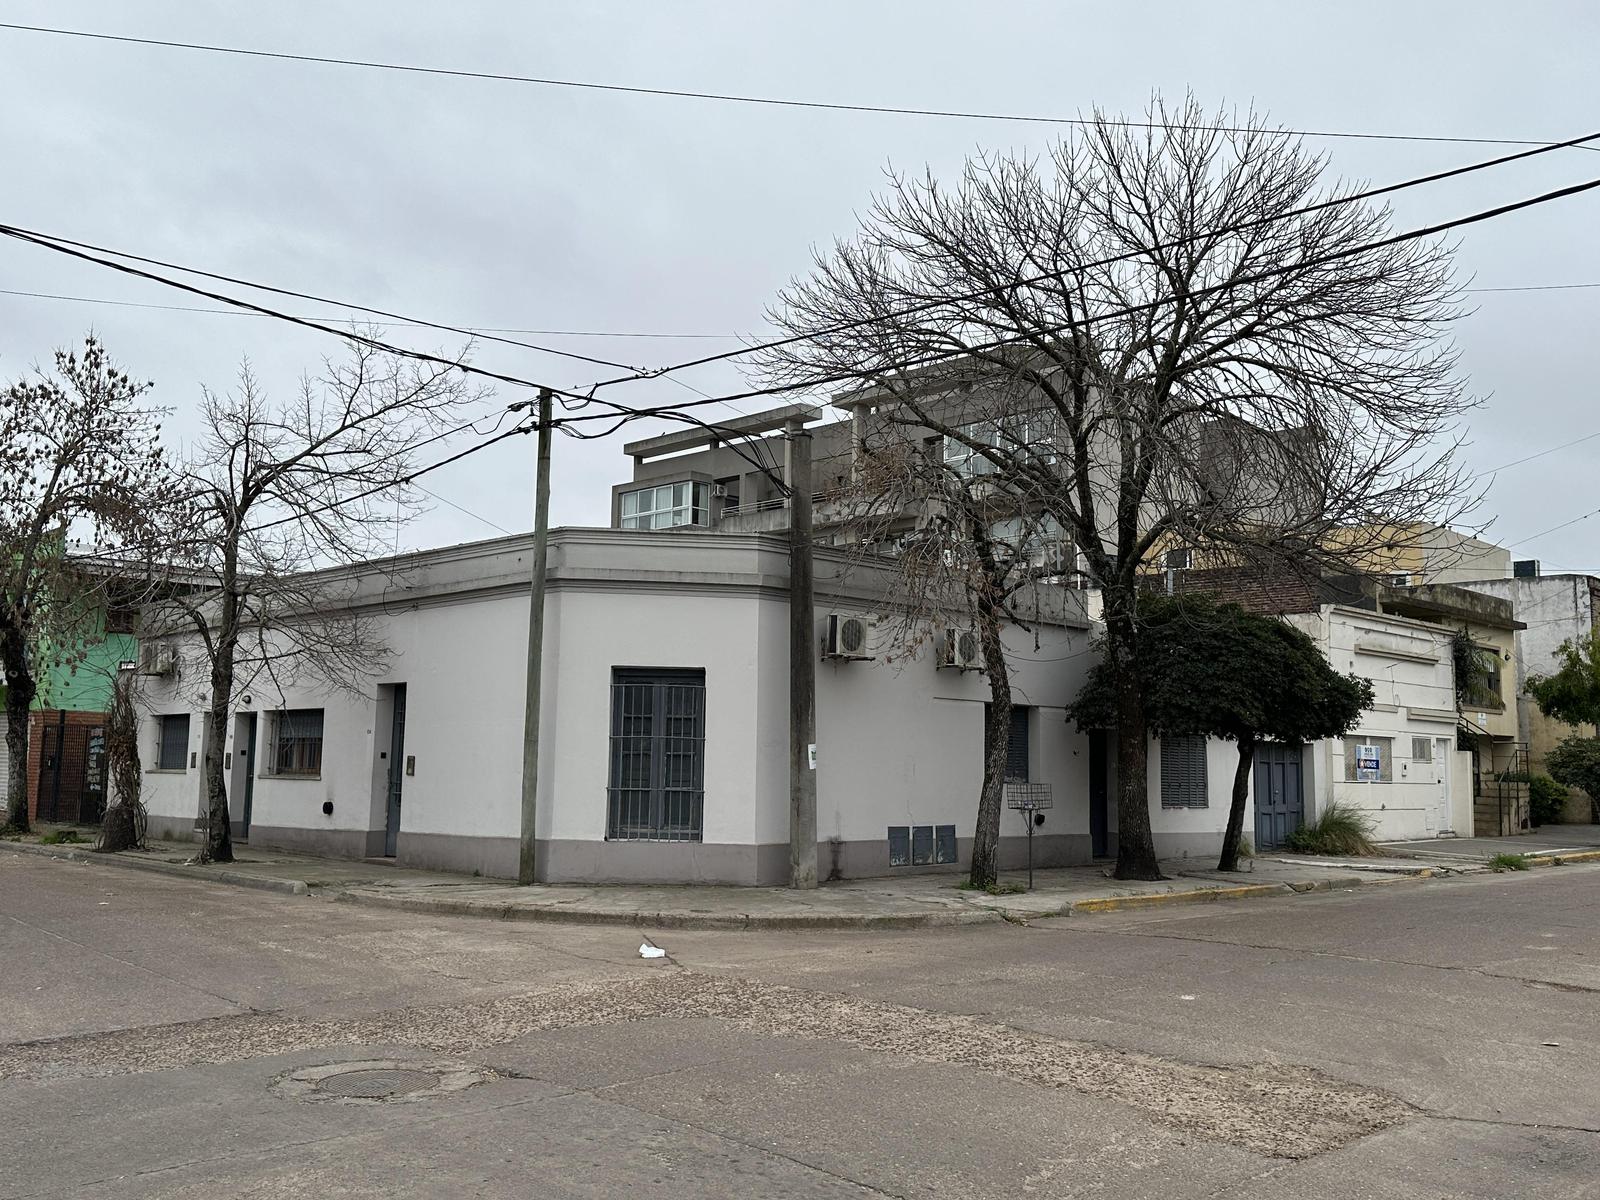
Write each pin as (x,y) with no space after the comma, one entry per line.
(1443,748)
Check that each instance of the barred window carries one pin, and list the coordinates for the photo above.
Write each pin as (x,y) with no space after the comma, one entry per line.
(1368,759)
(172,747)
(299,742)
(1183,772)
(658,742)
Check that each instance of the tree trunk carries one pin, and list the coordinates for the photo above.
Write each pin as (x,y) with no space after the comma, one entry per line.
(219,833)
(1136,849)
(1241,795)
(996,739)
(20,690)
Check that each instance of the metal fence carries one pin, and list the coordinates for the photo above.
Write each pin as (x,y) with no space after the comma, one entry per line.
(72,773)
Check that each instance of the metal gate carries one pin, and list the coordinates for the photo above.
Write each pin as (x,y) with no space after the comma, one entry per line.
(1280,796)
(72,773)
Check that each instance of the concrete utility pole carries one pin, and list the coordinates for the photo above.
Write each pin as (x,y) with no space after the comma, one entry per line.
(530,718)
(802,667)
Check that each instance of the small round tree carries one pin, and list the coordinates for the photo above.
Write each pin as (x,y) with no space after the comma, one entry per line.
(1216,670)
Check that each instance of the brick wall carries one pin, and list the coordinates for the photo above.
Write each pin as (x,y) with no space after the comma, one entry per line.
(69,803)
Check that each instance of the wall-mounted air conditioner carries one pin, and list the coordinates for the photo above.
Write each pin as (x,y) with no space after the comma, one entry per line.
(847,637)
(155,658)
(962,650)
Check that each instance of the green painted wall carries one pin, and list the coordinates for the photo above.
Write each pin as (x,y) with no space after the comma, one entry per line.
(86,686)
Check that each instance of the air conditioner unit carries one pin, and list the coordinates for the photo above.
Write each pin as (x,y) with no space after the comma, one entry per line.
(155,658)
(962,650)
(847,637)
(719,491)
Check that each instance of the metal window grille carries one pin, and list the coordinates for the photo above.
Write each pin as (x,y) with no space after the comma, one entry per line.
(658,736)
(1017,744)
(1383,747)
(1183,772)
(172,753)
(1421,749)
(299,748)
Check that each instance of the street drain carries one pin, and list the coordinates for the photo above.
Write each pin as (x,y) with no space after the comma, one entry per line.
(378,1082)
(379,1085)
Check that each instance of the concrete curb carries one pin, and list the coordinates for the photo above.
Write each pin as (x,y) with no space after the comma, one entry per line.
(672,920)
(1561,860)
(263,883)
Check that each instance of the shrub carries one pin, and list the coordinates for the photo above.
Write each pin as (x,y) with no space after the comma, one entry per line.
(61,837)
(1547,800)
(1341,829)
(1509,862)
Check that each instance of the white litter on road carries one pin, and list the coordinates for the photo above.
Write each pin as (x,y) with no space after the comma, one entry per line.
(648,951)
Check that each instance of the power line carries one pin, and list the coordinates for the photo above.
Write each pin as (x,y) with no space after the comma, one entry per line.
(65,246)
(966,351)
(475,330)
(728,97)
(1517,462)
(1043,276)
(31,235)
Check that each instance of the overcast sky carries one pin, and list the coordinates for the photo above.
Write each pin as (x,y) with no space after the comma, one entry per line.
(492,204)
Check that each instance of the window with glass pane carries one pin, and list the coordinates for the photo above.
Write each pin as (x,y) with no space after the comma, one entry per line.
(299,749)
(172,752)
(658,734)
(666,506)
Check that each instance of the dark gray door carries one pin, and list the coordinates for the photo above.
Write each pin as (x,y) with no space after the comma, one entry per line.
(1280,800)
(397,774)
(1099,798)
(249,774)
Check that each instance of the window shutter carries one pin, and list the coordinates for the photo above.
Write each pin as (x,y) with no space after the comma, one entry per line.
(1183,772)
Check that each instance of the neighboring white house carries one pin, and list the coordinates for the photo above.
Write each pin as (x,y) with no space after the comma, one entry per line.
(665,728)
(1401,765)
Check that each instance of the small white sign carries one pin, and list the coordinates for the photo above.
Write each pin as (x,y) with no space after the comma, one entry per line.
(811,755)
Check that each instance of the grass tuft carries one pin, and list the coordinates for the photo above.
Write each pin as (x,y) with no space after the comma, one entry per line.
(61,837)
(1341,829)
(1509,862)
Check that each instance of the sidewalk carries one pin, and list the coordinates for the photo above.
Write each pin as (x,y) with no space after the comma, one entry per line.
(899,902)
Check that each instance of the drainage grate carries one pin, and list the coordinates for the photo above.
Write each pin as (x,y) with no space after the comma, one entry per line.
(385,1081)
(379,1085)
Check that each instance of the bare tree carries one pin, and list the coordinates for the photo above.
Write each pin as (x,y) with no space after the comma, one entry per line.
(81,470)
(279,490)
(963,558)
(1173,337)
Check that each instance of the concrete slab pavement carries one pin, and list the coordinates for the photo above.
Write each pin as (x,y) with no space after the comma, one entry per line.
(920,900)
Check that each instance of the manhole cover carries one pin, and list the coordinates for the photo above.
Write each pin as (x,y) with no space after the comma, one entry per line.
(379,1085)
(381,1082)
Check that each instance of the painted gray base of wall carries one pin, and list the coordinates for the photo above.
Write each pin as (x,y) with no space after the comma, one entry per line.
(662,862)
(328,843)
(571,861)
(1190,845)
(494,857)
(172,829)
(868,860)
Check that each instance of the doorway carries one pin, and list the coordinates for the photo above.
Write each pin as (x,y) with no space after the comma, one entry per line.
(1444,823)
(396,775)
(1099,800)
(1280,797)
(243,783)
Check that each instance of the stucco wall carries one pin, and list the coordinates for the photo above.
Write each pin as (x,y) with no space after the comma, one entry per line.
(1409,665)
(897,743)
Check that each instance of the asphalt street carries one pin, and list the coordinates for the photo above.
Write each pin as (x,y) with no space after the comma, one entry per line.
(162,1038)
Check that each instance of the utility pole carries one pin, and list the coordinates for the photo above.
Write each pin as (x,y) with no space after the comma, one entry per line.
(530,718)
(802,667)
